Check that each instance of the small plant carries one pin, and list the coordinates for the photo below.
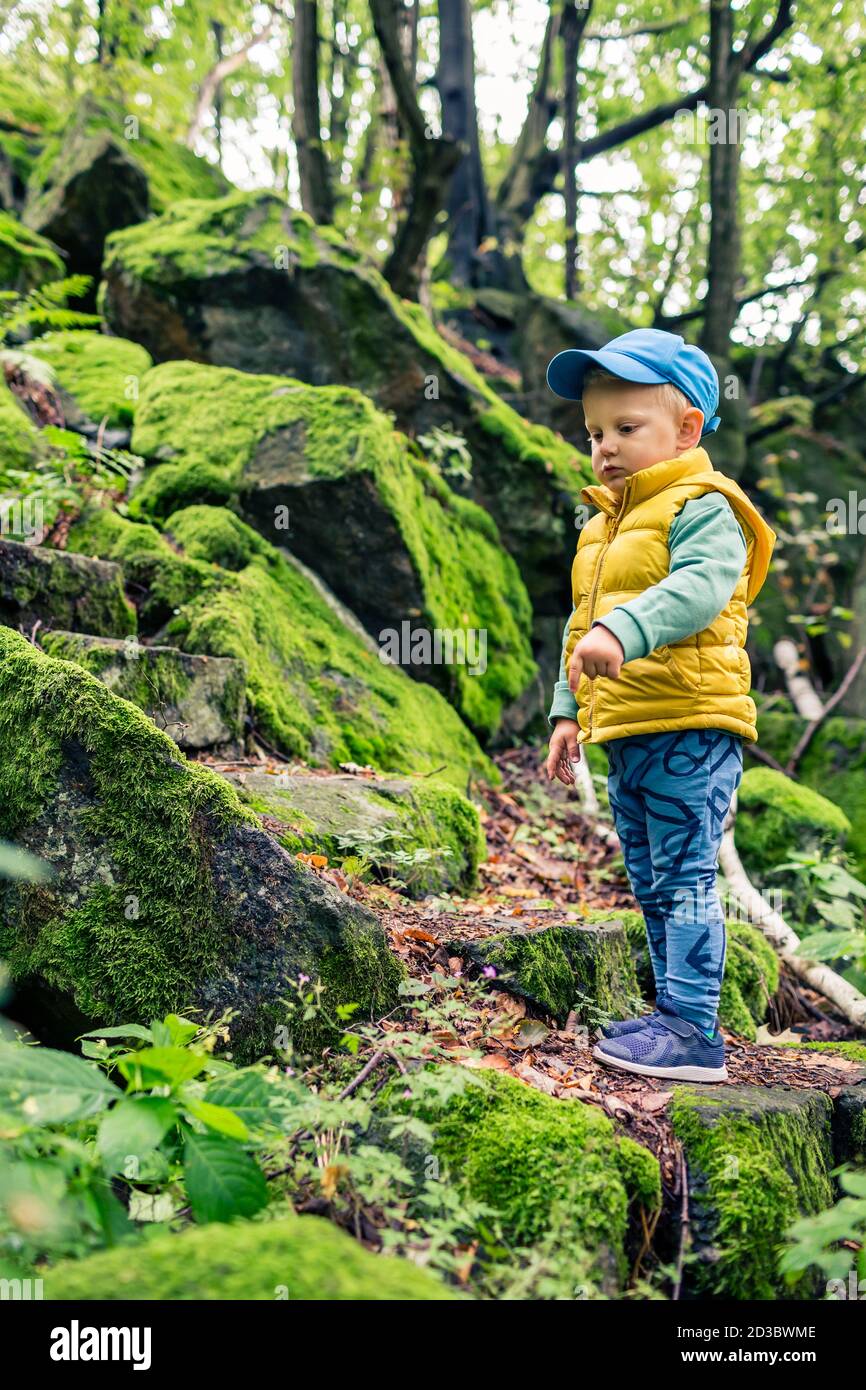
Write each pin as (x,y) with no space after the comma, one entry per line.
(833,1241)
(447,451)
(828,890)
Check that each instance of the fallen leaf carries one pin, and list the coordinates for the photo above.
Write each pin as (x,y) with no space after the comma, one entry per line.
(529,1032)
(417,934)
(535,1078)
(653,1101)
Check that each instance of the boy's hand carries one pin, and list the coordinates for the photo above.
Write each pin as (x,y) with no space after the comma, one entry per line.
(599,653)
(563,746)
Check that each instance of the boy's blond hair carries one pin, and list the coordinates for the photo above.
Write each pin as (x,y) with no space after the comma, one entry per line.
(668,396)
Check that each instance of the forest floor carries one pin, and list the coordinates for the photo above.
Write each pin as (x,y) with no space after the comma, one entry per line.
(548,865)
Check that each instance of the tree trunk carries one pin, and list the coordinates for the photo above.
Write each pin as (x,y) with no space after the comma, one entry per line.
(433,159)
(723,260)
(469,219)
(316,195)
(573,24)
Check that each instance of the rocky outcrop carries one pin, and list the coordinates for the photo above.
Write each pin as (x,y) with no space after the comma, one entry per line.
(247,282)
(105,170)
(199,701)
(315,690)
(62,591)
(165,894)
(320,471)
(428,837)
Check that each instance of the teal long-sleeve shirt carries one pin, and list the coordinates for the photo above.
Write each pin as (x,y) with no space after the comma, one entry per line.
(708,552)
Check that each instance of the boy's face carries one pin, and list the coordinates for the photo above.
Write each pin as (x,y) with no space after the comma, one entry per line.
(629,429)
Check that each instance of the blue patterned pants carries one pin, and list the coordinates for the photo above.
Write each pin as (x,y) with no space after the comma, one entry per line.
(669,795)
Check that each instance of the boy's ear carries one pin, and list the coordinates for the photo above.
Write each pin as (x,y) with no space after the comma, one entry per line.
(690,427)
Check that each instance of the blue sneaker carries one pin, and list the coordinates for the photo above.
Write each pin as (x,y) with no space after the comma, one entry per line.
(667,1046)
(636,1025)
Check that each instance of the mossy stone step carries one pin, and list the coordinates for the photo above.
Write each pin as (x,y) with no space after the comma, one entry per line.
(383,818)
(552,1171)
(60,590)
(560,967)
(298,1258)
(758,1157)
(199,701)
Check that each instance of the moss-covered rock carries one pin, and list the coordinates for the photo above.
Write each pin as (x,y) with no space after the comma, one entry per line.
(97,376)
(542,1164)
(314,689)
(248,282)
(199,701)
(776,814)
(299,1258)
(165,892)
(758,1158)
(558,968)
(324,472)
(751,979)
(430,837)
(834,764)
(61,590)
(26,258)
(106,169)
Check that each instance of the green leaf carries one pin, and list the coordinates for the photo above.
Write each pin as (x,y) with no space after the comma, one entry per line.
(217,1117)
(222,1181)
(180,1030)
(50,1088)
(160,1066)
(247,1094)
(126,1030)
(131,1129)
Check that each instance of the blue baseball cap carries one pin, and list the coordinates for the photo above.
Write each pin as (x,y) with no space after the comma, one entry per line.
(647,356)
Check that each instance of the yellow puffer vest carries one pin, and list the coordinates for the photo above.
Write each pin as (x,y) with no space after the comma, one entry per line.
(702,681)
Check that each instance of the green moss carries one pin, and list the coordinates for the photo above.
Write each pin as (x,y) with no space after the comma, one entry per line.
(776,815)
(158,679)
(463,577)
(542,1164)
(314,688)
(751,979)
(301,1258)
(26,258)
(173,171)
(100,372)
(149,807)
(834,764)
(528,476)
(358,816)
(758,1159)
(19,437)
(560,969)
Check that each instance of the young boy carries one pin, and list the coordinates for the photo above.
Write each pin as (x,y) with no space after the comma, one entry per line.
(654,652)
